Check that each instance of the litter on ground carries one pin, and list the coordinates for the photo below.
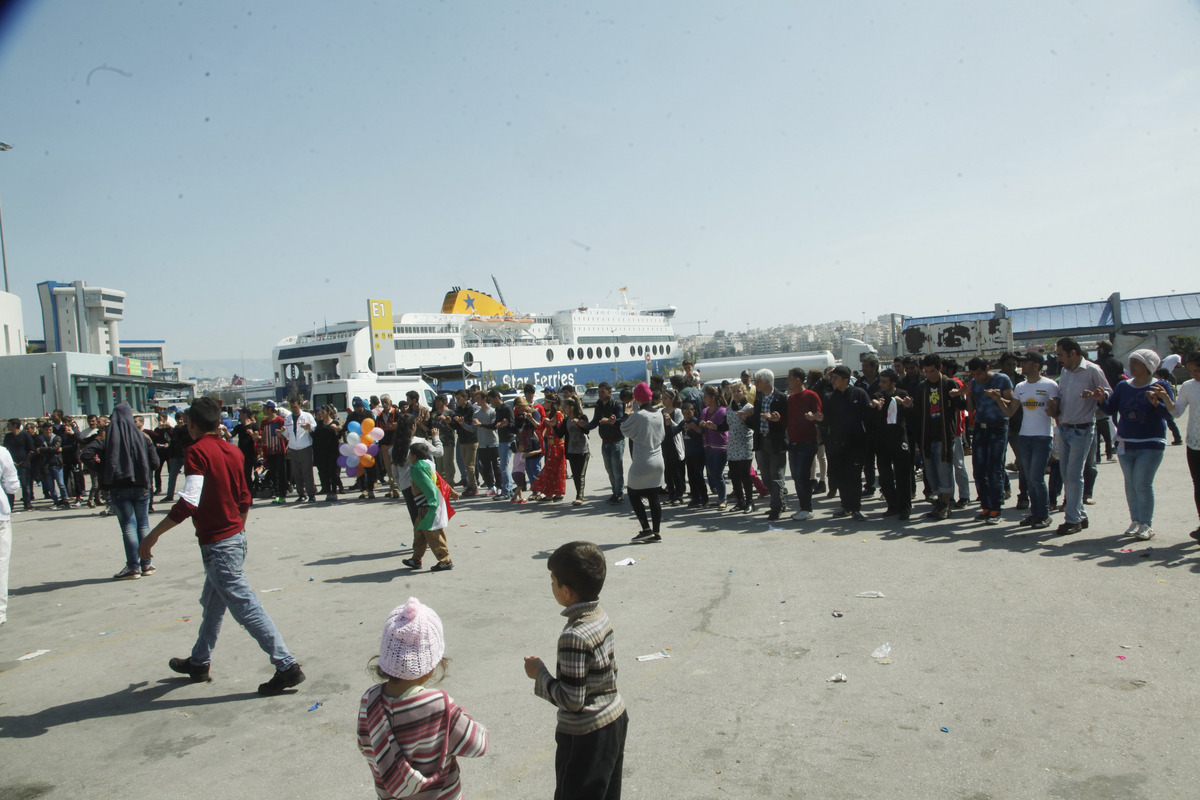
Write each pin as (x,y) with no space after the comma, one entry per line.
(654,656)
(839,678)
(869,594)
(34,654)
(625,562)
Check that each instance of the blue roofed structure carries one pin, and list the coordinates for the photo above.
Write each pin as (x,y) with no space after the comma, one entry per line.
(1102,318)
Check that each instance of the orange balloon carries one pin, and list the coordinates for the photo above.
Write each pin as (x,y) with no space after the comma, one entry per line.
(368,425)
(367,461)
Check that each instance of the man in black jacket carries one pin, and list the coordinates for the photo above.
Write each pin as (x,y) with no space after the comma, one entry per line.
(20,446)
(607,417)
(768,419)
(48,448)
(844,413)
(891,408)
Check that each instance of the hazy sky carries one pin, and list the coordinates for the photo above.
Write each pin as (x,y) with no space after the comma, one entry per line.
(243,170)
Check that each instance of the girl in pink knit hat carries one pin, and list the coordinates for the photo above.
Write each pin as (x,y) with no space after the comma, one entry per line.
(412,736)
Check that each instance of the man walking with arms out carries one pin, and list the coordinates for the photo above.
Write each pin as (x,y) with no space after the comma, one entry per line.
(216,499)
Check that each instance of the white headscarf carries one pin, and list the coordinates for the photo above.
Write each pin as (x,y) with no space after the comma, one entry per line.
(1148,357)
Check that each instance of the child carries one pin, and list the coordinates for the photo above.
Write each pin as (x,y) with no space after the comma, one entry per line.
(592,720)
(430,530)
(518,474)
(411,735)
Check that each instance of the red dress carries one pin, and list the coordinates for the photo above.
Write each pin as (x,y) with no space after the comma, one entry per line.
(552,481)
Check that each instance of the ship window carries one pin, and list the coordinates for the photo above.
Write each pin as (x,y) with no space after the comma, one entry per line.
(468,358)
(668,349)
(655,348)
(589,352)
(549,354)
(608,352)
(639,350)
(617,351)
(570,354)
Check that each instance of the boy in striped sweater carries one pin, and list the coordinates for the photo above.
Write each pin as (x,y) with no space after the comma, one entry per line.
(592,720)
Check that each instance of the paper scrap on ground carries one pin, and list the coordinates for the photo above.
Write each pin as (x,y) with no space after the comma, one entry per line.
(268,591)
(837,613)
(654,656)
(34,654)
(482,530)
(883,651)
(625,562)
(839,678)
(869,594)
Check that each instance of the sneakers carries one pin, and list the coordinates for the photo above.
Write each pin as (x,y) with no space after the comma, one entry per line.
(993,518)
(721,506)
(184,666)
(1038,524)
(857,516)
(647,536)
(1022,502)
(802,516)
(820,488)
(962,502)
(983,515)
(939,512)
(148,570)
(282,679)
(1087,501)
(1144,532)
(1195,534)
(442,566)
(414,563)
(1068,528)
(128,574)
(841,512)
(1132,529)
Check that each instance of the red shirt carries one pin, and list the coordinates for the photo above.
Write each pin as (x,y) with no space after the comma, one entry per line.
(800,429)
(214,493)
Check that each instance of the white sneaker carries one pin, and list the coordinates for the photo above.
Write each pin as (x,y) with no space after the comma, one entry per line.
(128,574)
(801,516)
(1132,529)
(1144,532)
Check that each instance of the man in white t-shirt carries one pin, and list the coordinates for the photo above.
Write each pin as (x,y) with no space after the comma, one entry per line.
(1032,395)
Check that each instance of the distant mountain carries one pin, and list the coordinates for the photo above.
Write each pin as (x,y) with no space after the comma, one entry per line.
(226,368)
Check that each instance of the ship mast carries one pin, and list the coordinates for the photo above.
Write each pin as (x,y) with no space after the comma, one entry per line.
(499,293)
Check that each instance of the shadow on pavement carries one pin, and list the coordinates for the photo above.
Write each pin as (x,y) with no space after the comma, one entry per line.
(120,703)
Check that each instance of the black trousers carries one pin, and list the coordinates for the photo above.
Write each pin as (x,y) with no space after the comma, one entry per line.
(579,462)
(487,463)
(695,474)
(327,470)
(845,468)
(1193,462)
(674,472)
(636,498)
(870,456)
(896,477)
(743,484)
(588,767)
(277,467)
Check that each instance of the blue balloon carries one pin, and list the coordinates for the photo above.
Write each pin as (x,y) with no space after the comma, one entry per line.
(354,427)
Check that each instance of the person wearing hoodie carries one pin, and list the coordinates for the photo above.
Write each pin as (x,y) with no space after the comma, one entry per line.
(129,464)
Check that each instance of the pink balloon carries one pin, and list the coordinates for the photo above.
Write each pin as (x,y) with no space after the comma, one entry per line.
(360,449)
(377,434)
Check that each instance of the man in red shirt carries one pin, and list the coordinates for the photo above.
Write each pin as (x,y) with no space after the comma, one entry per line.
(802,439)
(217,500)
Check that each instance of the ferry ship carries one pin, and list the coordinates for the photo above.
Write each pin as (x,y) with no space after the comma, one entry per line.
(477,339)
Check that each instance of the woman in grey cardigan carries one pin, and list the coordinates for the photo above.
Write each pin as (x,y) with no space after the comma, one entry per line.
(644,430)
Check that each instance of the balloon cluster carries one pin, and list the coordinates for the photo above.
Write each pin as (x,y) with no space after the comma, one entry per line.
(360,448)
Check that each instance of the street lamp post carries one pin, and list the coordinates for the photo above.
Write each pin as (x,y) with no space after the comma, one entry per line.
(3,255)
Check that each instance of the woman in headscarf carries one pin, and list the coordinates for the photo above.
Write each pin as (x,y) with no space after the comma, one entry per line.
(1141,435)
(130,461)
(645,431)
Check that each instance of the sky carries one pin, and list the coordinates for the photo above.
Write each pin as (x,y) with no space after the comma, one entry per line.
(247,170)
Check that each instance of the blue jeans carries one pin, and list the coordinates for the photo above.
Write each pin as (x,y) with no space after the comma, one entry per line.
(939,473)
(226,587)
(25,474)
(800,461)
(533,468)
(614,464)
(1076,444)
(714,466)
(987,461)
(133,512)
(1035,455)
(53,479)
(1139,467)
(960,470)
(506,481)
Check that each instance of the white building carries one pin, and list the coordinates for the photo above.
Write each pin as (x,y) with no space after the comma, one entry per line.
(13,323)
(77,318)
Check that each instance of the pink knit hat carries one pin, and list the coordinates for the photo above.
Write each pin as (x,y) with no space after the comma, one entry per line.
(642,393)
(412,643)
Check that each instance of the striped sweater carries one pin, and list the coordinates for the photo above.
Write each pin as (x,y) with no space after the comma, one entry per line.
(585,690)
(411,742)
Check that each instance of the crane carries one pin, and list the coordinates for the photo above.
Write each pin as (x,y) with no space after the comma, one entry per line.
(697,323)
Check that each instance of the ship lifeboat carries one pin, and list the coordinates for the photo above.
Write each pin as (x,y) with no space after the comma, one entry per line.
(506,322)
